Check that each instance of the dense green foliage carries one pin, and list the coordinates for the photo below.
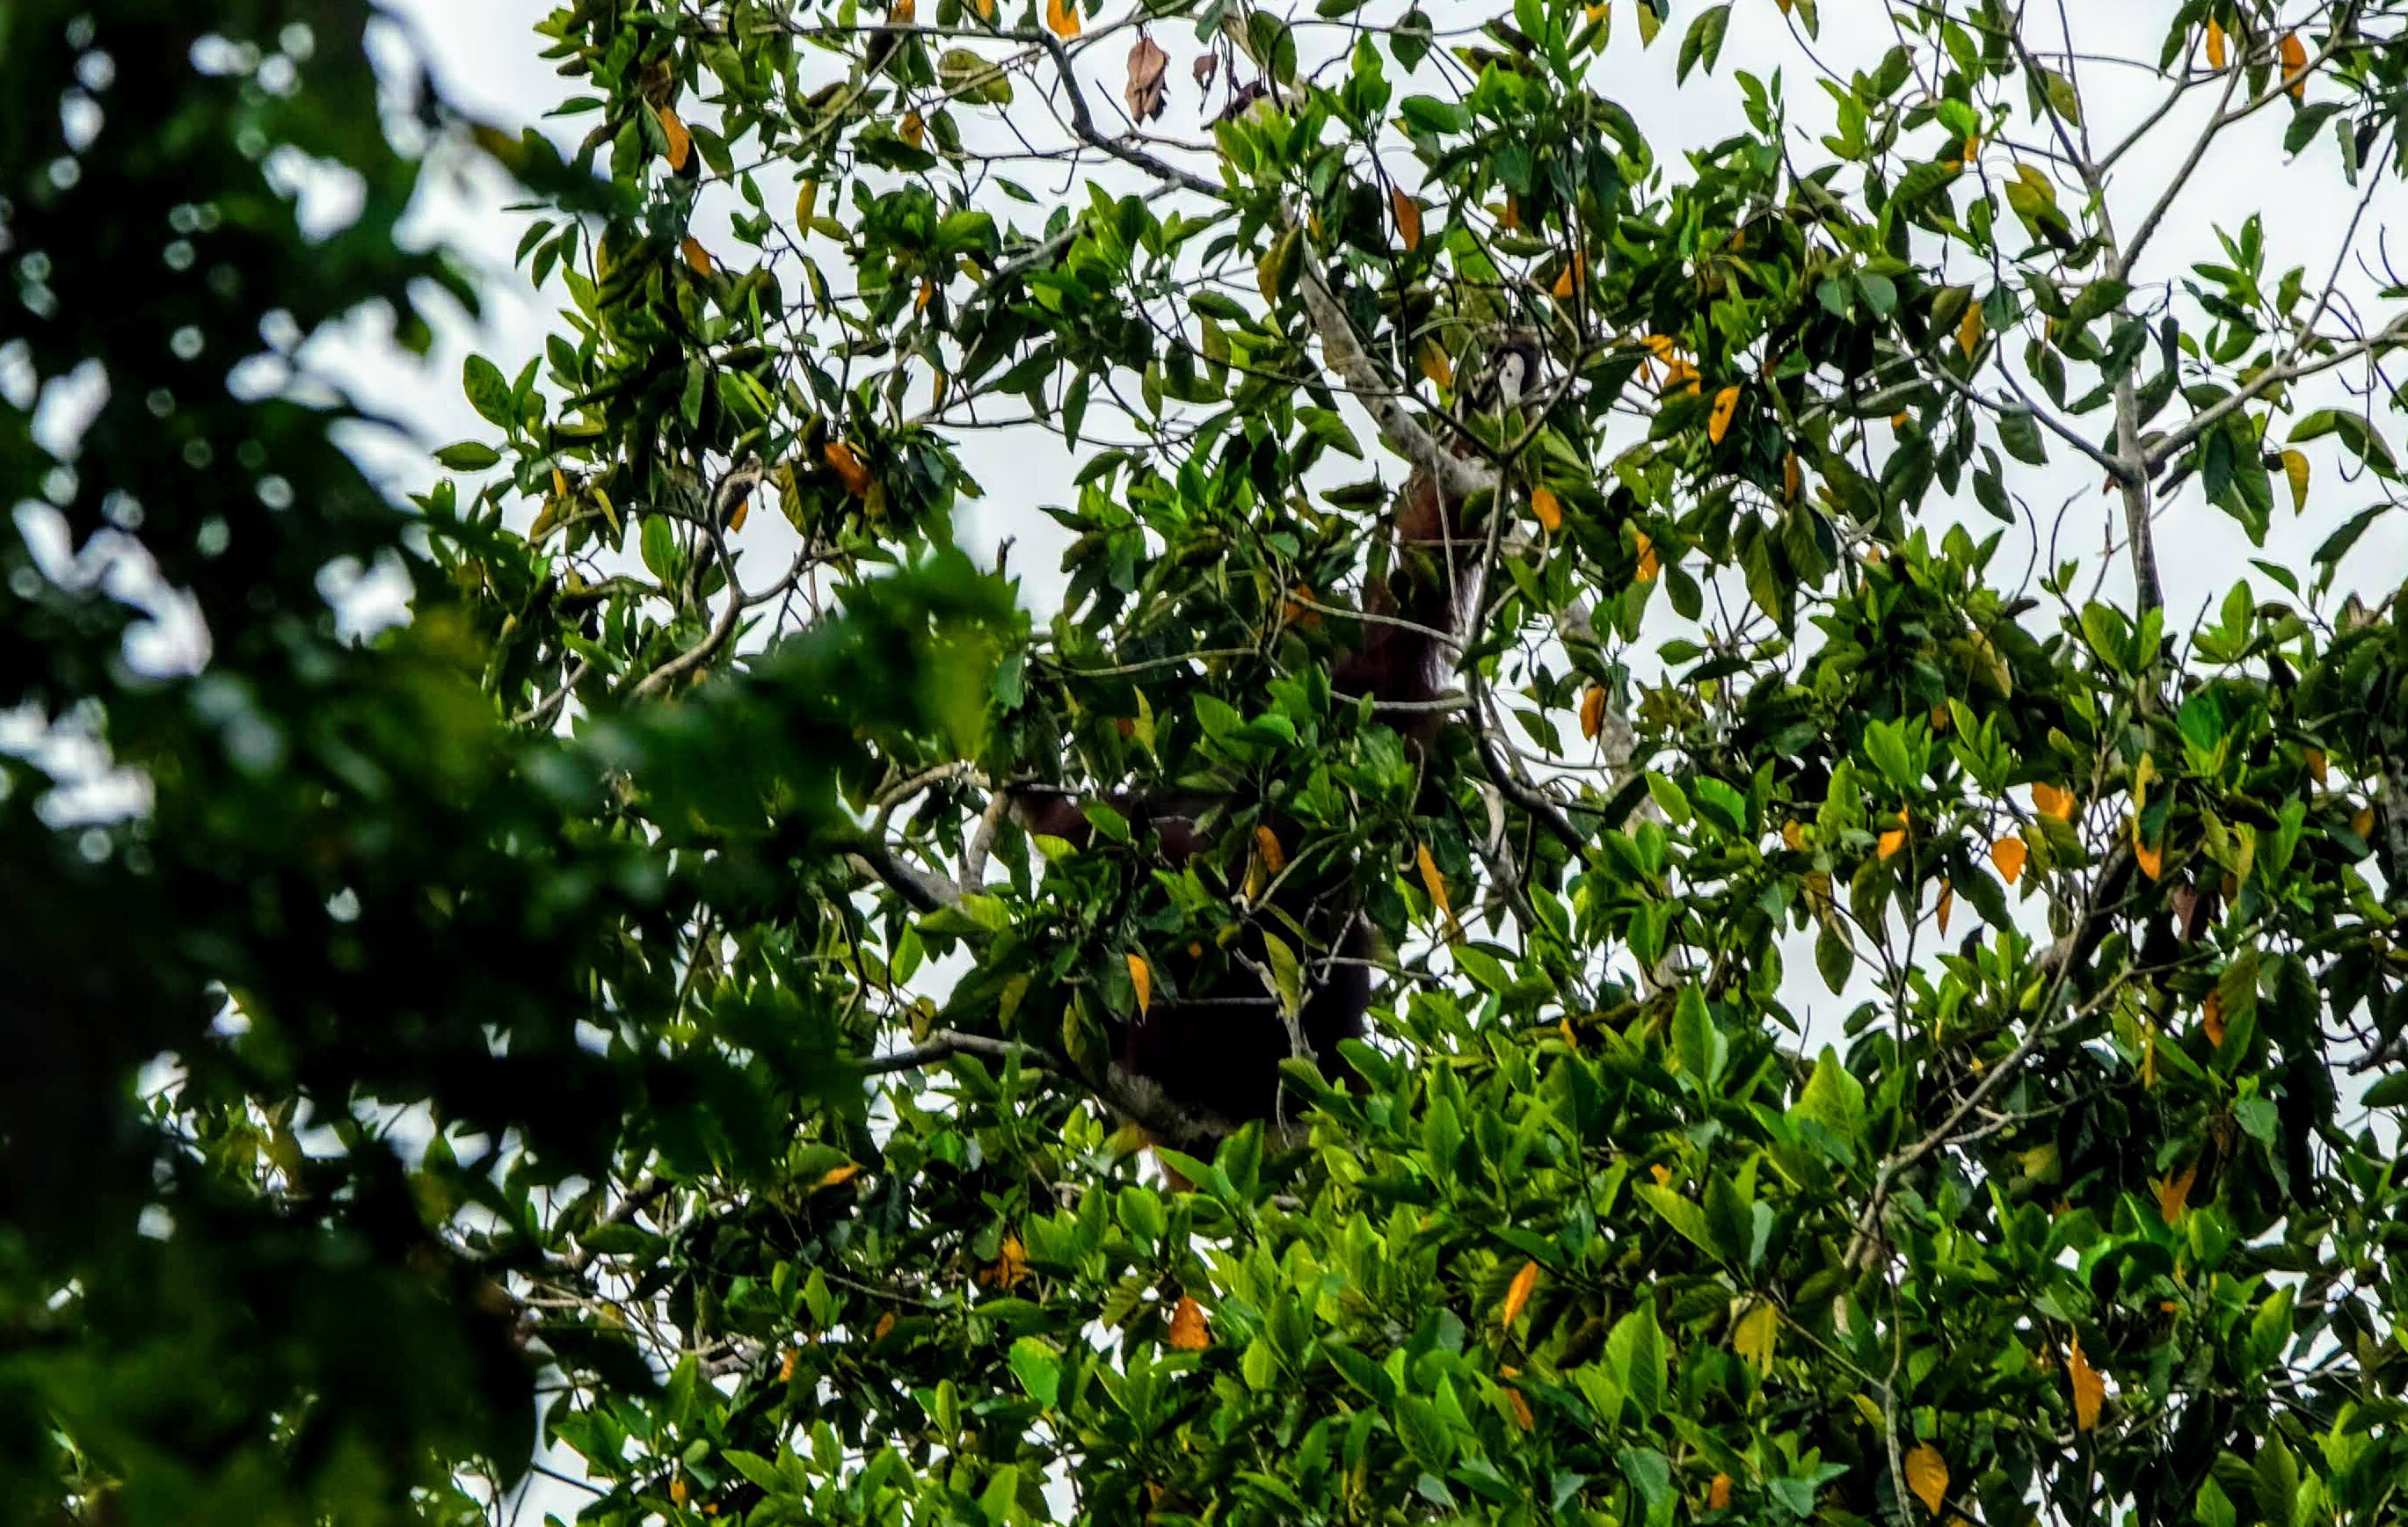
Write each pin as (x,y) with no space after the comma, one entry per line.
(1880,1017)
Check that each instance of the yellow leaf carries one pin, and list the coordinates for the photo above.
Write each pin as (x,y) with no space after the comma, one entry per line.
(2295,471)
(1892,841)
(1726,404)
(1947,904)
(1661,346)
(1511,218)
(985,9)
(1899,420)
(1969,328)
(927,293)
(1793,478)
(560,490)
(1435,363)
(1408,218)
(1680,374)
(903,13)
(1927,1474)
(743,513)
(1648,566)
(1188,1330)
(1550,511)
(2295,61)
(846,464)
(2149,1059)
(679,1492)
(838,1176)
(2152,859)
(1433,881)
(1518,1293)
(2009,854)
(1063,17)
(2361,821)
(2211,1018)
(2049,800)
(1593,712)
(695,255)
(807,203)
(2089,1389)
(786,1366)
(2173,1192)
(1753,1336)
(1793,836)
(2215,55)
(680,141)
(1141,977)
(912,130)
(1718,1491)
(885,1323)
(2317,765)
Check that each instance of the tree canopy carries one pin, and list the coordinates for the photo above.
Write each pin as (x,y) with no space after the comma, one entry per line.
(1878,1015)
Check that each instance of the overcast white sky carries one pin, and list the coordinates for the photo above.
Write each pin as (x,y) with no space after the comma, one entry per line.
(485,54)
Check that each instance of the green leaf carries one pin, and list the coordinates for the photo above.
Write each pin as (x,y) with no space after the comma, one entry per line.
(1634,1353)
(489,393)
(467,456)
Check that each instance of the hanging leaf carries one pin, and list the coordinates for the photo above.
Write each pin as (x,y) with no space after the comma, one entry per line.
(1947,904)
(1892,841)
(1549,511)
(2215,54)
(1793,478)
(2210,1019)
(2049,800)
(1927,1474)
(1591,712)
(695,255)
(1207,66)
(912,130)
(1146,92)
(1718,1490)
(1141,978)
(2089,1389)
(2317,765)
(1519,1407)
(1432,881)
(836,1176)
(1267,843)
(1409,219)
(1518,1293)
(1571,277)
(2151,857)
(1648,566)
(2295,472)
(680,141)
(2294,63)
(1062,16)
(1726,404)
(1188,1330)
(1754,1336)
(2009,854)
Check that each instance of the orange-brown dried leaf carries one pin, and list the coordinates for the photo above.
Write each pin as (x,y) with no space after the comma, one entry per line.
(1189,1331)
(1141,978)
(680,141)
(2295,59)
(2216,53)
(1591,712)
(1267,843)
(1408,218)
(837,1177)
(1947,904)
(695,255)
(2211,1018)
(2010,854)
(1547,507)
(1062,16)
(1718,1492)
(1718,423)
(2089,1389)
(2049,800)
(1892,841)
(1517,1293)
